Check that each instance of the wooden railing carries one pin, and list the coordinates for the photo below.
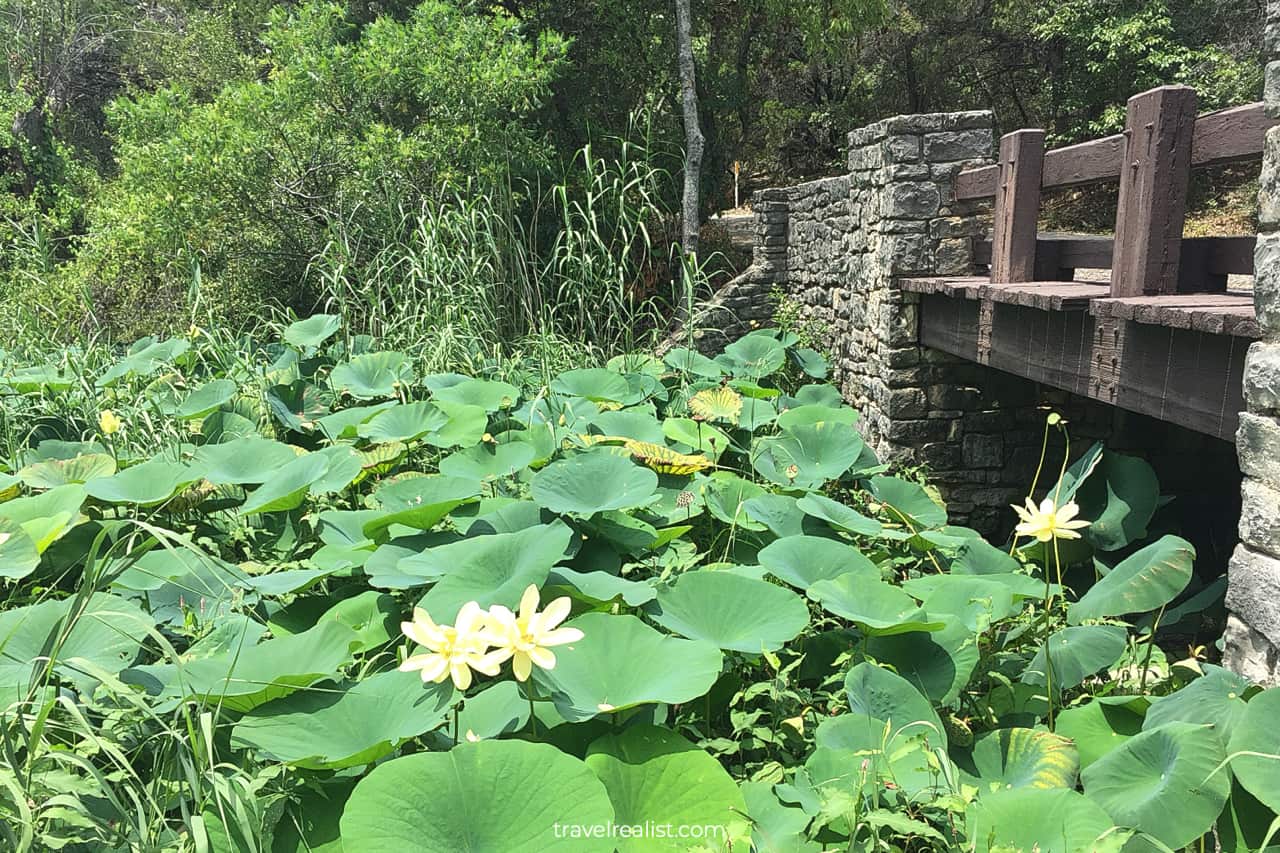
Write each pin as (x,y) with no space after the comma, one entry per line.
(1162,142)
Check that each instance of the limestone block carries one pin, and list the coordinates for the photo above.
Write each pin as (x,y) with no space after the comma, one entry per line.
(1258,446)
(1269,181)
(1253,591)
(1262,377)
(911,200)
(1249,653)
(1260,517)
(1266,284)
(958,145)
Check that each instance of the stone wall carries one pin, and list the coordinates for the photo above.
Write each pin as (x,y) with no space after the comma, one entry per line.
(1252,642)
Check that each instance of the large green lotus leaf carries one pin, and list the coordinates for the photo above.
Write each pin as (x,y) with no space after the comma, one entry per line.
(145,357)
(1165,782)
(374,374)
(48,516)
(105,631)
(692,436)
(288,486)
(978,557)
(1216,698)
(804,560)
(976,600)
(18,554)
(383,565)
(494,795)
(487,461)
(755,355)
(725,494)
(597,385)
(888,697)
(807,456)
(344,423)
(403,422)
(600,587)
(1077,653)
(205,399)
(1145,580)
(492,569)
(51,473)
(313,331)
(343,466)
(419,502)
(656,777)
(152,482)
(693,362)
(756,413)
(1119,496)
(331,726)
(373,615)
(497,515)
(1023,758)
(1102,724)
(502,708)
(28,380)
(806,415)
(638,423)
(939,663)
(844,742)
(591,482)
(1046,820)
(876,607)
(1254,745)
(908,503)
(731,611)
(774,826)
(298,405)
(779,513)
(243,461)
(838,515)
(621,662)
(438,424)
(244,678)
(181,581)
(489,394)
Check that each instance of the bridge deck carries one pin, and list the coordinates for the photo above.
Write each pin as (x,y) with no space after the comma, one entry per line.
(1177,357)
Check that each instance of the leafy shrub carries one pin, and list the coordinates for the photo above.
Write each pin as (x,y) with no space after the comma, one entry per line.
(674,592)
(227,202)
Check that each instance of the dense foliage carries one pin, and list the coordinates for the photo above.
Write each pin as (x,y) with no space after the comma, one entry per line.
(662,592)
(171,159)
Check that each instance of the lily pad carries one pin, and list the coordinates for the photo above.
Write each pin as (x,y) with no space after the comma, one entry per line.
(1048,820)
(587,679)
(804,560)
(1165,782)
(531,796)
(592,482)
(334,726)
(731,611)
(656,777)
(492,569)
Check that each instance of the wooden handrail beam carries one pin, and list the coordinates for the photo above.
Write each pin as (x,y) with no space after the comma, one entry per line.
(1225,136)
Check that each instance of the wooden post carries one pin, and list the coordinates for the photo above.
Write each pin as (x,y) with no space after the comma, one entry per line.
(1013,242)
(1154,172)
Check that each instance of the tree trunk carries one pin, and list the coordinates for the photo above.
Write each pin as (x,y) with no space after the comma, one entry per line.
(692,132)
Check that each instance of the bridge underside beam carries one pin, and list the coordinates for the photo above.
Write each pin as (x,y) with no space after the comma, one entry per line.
(1187,376)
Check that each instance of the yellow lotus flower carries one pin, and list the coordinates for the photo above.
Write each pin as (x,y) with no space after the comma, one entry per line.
(452,651)
(527,636)
(1049,521)
(109,423)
